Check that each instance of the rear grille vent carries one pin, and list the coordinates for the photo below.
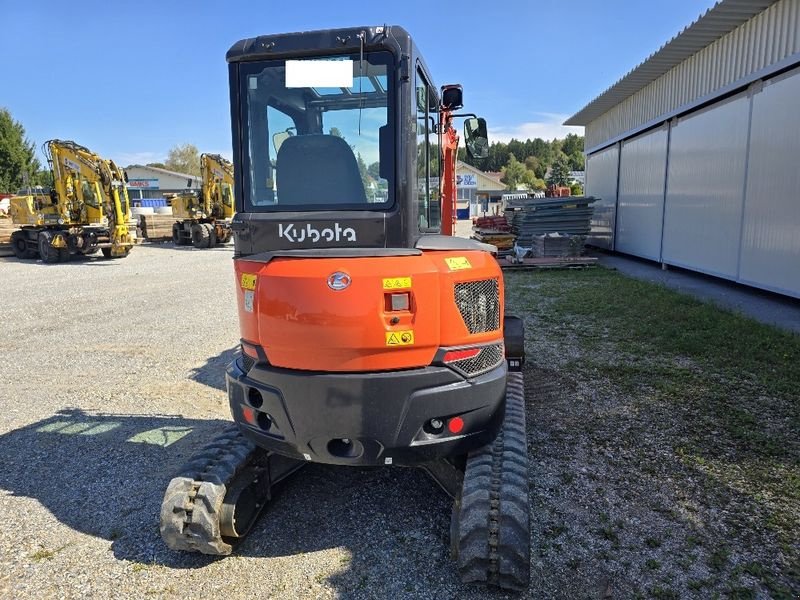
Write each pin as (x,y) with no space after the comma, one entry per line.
(247,363)
(488,358)
(479,304)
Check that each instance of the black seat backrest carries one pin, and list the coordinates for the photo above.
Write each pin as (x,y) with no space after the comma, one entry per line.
(318,169)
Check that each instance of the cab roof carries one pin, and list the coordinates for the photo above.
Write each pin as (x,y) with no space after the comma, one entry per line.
(309,43)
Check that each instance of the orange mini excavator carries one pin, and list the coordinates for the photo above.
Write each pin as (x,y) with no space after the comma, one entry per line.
(369,334)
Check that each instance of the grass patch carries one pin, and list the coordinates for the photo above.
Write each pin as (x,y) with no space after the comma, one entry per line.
(715,394)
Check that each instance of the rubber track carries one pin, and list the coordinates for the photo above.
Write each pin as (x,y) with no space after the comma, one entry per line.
(493,514)
(191,507)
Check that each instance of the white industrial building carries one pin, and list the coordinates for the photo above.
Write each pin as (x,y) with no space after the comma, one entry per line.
(695,153)
(154,182)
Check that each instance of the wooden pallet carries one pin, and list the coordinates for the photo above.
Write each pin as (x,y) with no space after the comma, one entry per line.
(156,228)
(548,263)
(6,228)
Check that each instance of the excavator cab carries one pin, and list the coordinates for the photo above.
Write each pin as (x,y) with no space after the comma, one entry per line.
(369,334)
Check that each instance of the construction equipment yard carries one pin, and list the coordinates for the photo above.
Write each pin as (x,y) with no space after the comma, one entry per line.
(664,451)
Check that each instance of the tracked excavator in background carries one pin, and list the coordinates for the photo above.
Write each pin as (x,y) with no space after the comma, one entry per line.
(86,211)
(369,334)
(203,219)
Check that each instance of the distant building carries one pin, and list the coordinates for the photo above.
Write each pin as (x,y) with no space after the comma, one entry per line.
(694,152)
(154,182)
(476,189)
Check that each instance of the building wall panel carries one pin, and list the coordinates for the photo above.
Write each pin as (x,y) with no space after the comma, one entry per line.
(770,255)
(705,188)
(641,194)
(765,39)
(602,169)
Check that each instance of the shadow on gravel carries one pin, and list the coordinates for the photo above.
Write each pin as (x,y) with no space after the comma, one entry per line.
(212,373)
(227,248)
(105,475)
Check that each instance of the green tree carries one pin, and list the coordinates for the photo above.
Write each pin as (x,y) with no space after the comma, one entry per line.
(535,164)
(559,172)
(575,189)
(335,131)
(538,184)
(572,144)
(184,158)
(577,162)
(374,170)
(515,174)
(18,163)
(365,178)
(158,165)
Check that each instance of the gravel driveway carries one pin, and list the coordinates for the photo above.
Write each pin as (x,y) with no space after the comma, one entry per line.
(111,374)
(111,377)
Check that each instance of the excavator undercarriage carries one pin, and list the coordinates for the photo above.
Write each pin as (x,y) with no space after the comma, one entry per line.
(212,504)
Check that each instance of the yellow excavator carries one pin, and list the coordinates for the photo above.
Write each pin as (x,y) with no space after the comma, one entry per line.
(203,219)
(87,210)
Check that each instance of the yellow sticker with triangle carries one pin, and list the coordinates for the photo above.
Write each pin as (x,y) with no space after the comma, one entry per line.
(400,338)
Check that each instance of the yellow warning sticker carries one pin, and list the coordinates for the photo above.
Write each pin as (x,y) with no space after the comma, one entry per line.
(396,283)
(457,263)
(400,338)
(248,281)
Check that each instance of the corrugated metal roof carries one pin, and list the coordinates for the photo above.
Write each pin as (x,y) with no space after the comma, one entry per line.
(719,20)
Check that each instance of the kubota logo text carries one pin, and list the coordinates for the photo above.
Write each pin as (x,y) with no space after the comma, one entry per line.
(308,233)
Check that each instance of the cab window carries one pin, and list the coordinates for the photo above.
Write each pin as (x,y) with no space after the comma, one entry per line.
(428,156)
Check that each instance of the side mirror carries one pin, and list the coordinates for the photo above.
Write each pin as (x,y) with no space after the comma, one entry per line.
(452,97)
(476,139)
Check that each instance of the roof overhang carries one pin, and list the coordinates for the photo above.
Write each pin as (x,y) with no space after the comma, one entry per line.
(718,21)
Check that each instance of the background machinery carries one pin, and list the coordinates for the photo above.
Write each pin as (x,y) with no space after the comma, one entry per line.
(87,210)
(203,219)
(369,334)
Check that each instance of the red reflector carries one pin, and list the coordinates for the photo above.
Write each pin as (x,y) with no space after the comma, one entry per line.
(250,351)
(454,355)
(249,415)
(455,425)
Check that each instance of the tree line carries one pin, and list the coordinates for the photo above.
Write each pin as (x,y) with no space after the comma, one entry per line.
(533,163)
(19,167)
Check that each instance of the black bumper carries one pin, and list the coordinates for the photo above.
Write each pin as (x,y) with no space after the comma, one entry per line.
(365,418)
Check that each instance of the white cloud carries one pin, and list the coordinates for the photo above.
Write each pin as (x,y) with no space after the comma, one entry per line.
(548,126)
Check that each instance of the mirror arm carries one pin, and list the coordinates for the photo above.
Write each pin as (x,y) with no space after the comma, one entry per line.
(473,115)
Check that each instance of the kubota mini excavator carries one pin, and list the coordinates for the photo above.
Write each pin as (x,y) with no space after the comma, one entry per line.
(203,219)
(87,210)
(369,335)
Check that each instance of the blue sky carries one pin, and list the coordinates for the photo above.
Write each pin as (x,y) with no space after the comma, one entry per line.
(131,79)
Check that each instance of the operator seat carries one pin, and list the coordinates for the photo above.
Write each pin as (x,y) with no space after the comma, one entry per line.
(318,169)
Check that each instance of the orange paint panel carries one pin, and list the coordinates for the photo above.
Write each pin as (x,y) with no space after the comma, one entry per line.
(330,314)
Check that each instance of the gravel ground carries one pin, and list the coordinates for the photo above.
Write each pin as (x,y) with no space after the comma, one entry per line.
(112,376)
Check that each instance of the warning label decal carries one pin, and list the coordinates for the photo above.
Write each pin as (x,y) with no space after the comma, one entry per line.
(400,338)
(248,281)
(456,263)
(396,283)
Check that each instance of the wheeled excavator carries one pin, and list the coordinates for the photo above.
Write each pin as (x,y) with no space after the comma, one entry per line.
(86,211)
(203,219)
(370,336)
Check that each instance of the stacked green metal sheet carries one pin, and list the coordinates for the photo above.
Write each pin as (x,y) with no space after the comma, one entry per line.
(533,217)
